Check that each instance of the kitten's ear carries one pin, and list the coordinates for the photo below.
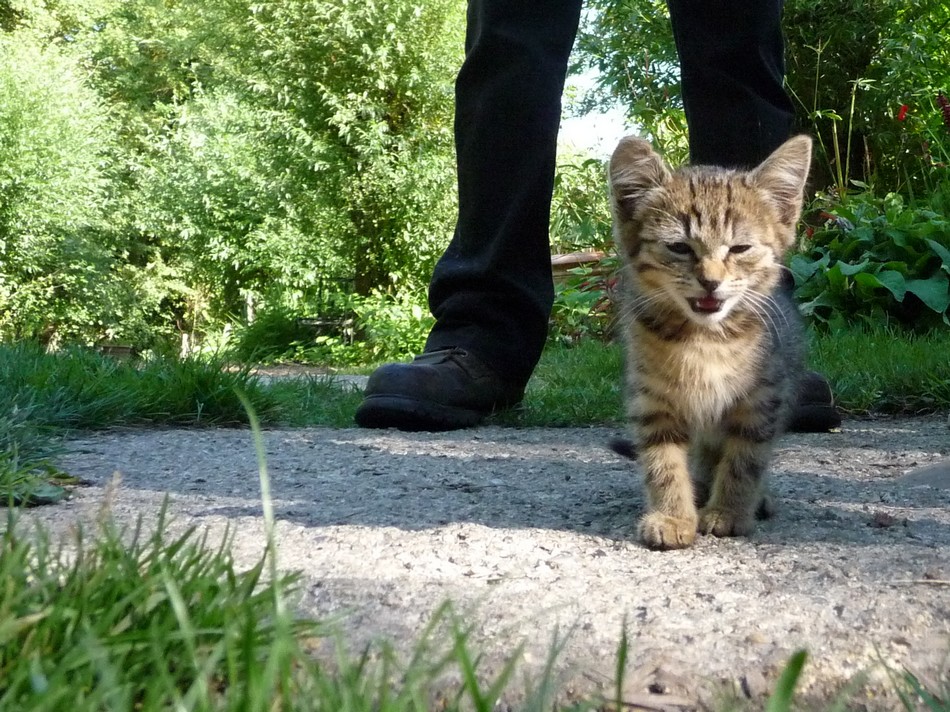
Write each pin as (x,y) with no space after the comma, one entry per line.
(635,169)
(782,176)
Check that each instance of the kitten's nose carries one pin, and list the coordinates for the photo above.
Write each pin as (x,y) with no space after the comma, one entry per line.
(710,285)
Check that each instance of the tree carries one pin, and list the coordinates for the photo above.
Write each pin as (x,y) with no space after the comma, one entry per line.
(629,44)
(365,91)
(56,274)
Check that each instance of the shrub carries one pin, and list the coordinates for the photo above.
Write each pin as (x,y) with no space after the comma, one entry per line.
(584,303)
(873,261)
(61,271)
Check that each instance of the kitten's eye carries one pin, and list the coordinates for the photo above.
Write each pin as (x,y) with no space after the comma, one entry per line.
(679,248)
(739,249)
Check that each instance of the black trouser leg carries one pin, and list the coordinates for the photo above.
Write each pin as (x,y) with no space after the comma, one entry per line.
(732,66)
(491,292)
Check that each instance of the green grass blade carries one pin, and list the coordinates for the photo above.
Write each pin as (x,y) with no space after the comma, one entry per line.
(781,699)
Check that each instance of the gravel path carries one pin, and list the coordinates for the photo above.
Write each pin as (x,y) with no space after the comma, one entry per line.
(530,533)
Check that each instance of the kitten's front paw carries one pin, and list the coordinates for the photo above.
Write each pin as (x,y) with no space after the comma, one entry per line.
(661,531)
(724,522)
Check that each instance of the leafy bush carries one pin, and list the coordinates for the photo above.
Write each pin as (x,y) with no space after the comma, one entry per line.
(356,331)
(392,327)
(877,260)
(59,273)
(276,334)
(850,67)
(867,75)
(580,212)
(584,303)
(363,121)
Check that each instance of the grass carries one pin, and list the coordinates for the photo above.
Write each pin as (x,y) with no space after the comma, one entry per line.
(43,396)
(885,371)
(144,621)
(576,386)
(148,621)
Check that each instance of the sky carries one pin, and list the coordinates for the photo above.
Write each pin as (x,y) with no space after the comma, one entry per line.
(597,133)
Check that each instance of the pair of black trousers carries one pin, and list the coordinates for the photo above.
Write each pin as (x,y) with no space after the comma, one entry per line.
(491,292)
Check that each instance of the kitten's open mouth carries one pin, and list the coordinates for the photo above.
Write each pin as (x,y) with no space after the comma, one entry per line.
(705,305)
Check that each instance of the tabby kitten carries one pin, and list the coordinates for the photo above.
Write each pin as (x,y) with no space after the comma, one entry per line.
(714,348)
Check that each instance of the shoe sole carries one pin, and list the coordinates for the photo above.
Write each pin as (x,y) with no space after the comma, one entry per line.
(387,411)
(814,418)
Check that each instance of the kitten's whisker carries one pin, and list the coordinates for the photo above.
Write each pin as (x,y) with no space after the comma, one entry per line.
(768,302)
(763,313)
(768,310)
(641,304)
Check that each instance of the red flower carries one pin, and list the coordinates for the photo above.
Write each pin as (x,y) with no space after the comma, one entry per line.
(944,105)
(902,113)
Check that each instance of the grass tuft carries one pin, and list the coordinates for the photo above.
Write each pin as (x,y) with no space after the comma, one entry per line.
(884,371)
(136,620)
(44,395)
(573,386)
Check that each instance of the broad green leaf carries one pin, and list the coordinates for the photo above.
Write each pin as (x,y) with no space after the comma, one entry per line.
(934,292)
(850,269)
(942,252)
(822,300)
(34,495)
(803,268)
(862,234)
(895,266)
(836,278)
(899,237)
(893,281)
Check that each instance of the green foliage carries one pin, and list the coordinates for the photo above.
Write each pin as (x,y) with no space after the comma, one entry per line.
(580,221)
(572,385)
(60,272)
(630,45)
(366,330)
(184,162)
(851,66)
(877,261)
(585,303)
(78,388)
(364,91)
(220,211)
(27,448)
(781,699)
(884,370)
(580,210)
(151,621)
(139,621)
(314,401)
(391,328)
(275,334)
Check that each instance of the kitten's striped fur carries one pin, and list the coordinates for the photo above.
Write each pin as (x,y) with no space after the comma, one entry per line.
(713,341)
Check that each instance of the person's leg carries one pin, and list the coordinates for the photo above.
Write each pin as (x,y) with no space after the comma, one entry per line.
(491,292)
(732,69)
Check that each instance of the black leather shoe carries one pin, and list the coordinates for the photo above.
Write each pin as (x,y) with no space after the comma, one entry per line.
(815,411)
(439,390)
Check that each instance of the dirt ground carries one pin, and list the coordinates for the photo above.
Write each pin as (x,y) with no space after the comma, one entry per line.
(531,534)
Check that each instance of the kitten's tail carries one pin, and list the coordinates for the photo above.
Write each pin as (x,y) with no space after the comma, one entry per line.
(623,447)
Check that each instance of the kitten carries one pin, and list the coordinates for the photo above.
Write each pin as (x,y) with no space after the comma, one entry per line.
(714,348)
